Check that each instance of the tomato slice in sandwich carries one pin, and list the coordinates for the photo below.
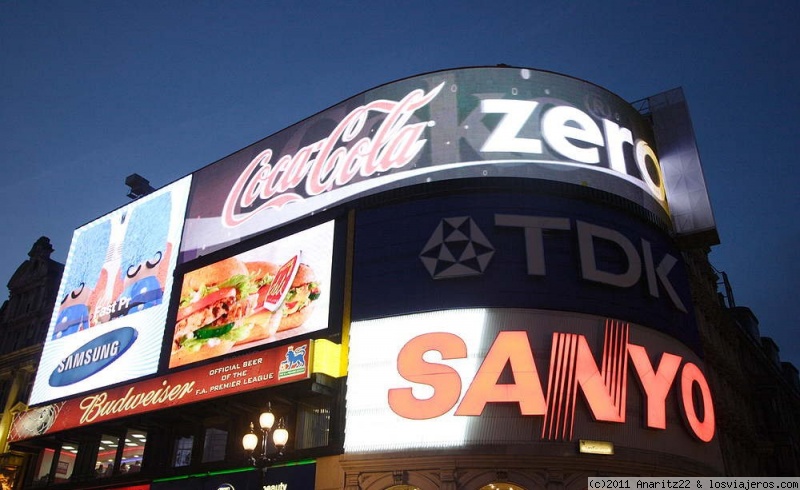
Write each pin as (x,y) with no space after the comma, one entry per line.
(206,301)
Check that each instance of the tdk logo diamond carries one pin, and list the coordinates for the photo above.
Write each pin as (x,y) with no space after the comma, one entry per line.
(457,248)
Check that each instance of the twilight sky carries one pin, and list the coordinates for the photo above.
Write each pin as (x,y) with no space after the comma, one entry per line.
(92,91)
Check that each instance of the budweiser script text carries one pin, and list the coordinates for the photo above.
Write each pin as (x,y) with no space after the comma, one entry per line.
(99,405)
(333,161)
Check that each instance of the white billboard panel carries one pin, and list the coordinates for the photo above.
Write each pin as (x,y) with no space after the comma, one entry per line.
(503,376)
(108,324)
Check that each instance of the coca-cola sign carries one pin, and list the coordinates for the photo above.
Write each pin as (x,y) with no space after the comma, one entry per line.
(328,164)
(470,123)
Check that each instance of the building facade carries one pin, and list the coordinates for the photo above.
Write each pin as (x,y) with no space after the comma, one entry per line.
(464,279)
(24,319)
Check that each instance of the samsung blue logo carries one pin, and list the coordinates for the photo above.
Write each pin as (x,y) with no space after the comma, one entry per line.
(93,356)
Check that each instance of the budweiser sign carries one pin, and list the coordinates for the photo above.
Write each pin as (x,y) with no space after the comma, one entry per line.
(233,375)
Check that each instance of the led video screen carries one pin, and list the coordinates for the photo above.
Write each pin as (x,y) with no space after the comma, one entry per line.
(108,324)
(516,377)
(270,293)
(448,125)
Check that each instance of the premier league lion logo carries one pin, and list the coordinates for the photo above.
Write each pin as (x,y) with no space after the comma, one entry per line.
(294,362)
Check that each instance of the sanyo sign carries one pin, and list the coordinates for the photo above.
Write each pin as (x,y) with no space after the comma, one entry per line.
(509,376)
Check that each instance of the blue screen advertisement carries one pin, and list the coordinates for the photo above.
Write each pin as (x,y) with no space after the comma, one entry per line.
(522,250)
(108,322)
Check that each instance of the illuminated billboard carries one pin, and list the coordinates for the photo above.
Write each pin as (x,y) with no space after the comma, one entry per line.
(235,374)
(470,377)
(467,123)
(273,292)
(506,249)
(689,203)
(108,324)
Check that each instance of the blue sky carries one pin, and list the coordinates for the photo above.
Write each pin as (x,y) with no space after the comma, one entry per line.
(92,91)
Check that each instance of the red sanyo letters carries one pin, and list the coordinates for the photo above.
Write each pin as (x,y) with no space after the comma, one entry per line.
(573,368)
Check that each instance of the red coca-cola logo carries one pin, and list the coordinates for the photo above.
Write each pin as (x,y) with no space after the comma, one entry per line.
(334,161)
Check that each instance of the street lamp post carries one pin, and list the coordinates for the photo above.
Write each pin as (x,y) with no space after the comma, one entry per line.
(279,439)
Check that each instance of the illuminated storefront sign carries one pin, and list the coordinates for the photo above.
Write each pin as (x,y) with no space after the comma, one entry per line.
(233,375)
(470,123)
(595,447)
(108,326)
(511,376)
(297,476)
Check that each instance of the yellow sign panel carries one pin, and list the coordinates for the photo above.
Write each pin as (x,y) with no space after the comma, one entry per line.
(596,447)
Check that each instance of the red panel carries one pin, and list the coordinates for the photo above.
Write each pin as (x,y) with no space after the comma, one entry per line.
(227,377)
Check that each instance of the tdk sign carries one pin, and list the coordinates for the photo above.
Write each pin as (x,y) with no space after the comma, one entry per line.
(458,248)
(525,250)
(588,235)
(93,356)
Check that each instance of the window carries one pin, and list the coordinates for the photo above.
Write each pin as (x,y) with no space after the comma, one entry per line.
(214,445)
(119,455)
(135,441)
(106,456)
(66,462)
(5,389)
(42,469)
(313,425)
(25,394)
(183,451)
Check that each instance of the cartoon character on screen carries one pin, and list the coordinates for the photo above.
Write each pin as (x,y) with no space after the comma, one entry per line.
(144,262)
(83,280)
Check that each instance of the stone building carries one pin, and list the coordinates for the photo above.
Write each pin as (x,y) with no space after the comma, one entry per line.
(24,319)
(757,395)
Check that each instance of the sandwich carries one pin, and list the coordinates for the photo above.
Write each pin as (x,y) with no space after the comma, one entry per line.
(299,301)
(214,302)
(230,303)
(285,298)
(263,322)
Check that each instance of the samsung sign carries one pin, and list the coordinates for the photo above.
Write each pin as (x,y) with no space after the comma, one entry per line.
(480,122)
(107,326)
(93,356)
